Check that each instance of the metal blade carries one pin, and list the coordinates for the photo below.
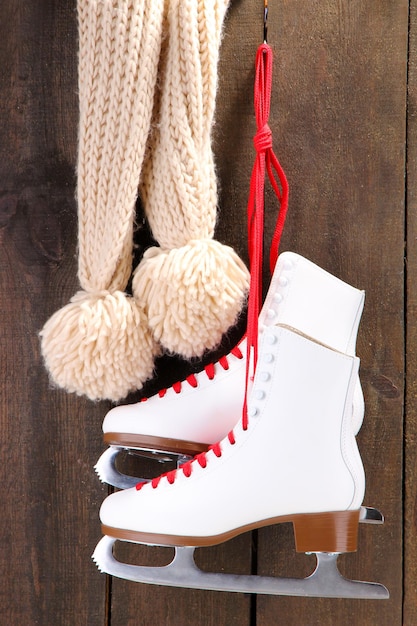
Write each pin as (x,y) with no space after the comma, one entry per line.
(325,582)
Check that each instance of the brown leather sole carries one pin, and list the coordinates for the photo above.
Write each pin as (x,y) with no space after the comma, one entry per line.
(314,532)
(149,442)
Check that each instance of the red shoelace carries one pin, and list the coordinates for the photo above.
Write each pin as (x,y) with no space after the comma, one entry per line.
(265,162)
(209,369)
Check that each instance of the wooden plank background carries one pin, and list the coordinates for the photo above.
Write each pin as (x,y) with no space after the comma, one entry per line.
(343,72)
(410,442)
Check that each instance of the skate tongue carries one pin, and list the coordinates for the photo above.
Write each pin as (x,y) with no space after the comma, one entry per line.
(265,161)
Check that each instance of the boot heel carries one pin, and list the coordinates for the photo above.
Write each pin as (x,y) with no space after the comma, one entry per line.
(326,532)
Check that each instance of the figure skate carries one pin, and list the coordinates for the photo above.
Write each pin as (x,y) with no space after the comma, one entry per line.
(293,456)
(185,419)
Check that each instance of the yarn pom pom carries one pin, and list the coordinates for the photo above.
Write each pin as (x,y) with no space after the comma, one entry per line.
(192,294)
(99,345)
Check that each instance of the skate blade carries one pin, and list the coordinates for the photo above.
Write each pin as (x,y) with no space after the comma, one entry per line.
(369,515)
(108,473)
(325,582)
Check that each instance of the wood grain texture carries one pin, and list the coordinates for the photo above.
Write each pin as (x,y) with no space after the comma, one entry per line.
(49,440)
(339,125)
(410,510)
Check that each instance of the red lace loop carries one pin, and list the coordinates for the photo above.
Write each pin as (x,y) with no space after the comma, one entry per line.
(265,162)
(224,362)
(171,477)
(186,468)
(202,460)
(236,351)
(216,447)
(210,371)
(192,380)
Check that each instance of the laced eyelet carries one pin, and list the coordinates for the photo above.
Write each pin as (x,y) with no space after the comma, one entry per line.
(224,362)
(186,470)
(171,477)
(236,351)
(192,380)
(210,372)
(216,448)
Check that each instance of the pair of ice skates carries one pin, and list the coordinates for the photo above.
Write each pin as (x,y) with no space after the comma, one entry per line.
(292,456)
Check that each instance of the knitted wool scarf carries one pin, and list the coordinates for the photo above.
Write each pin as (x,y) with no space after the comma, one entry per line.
(192,287)
(188,291)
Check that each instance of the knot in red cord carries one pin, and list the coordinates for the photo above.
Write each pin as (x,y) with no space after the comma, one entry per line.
(263,139)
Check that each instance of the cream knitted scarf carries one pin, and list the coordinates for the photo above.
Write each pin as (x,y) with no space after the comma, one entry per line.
(188,291)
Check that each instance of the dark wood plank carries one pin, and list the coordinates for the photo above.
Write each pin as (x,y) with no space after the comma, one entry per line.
(410,517)
(339,127)
(50,440)
(338,118)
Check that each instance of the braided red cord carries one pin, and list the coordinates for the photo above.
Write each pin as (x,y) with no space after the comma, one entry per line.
(266,161)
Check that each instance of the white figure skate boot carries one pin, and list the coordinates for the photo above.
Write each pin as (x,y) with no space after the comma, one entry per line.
(193,414)
(293,457)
